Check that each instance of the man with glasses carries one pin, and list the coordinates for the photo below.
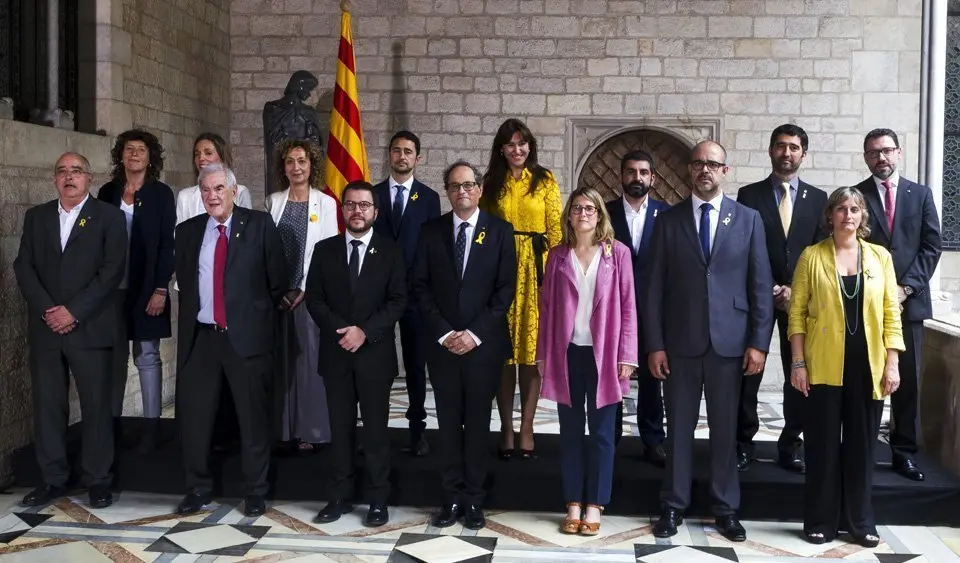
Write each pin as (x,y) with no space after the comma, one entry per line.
(708,317)
(356,292)
(903,219)
(72,257)
(407,205)
(792,211)
(464,280)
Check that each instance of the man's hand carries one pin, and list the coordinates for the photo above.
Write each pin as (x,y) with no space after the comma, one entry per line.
(625,371)
(658,364)
(155,304)
(753,361)
(463,344)
(901,294)
(781,297)
(59,319)
(451,340)
(353,338)
(291,299)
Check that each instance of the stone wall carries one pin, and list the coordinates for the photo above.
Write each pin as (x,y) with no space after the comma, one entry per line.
(453,70)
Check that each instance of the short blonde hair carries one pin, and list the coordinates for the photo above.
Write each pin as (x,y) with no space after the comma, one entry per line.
(841,195)
(604,232)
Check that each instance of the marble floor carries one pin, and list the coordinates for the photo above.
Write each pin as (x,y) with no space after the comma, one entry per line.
(143,528)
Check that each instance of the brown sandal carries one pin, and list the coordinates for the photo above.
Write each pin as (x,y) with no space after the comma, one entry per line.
(590,528)
(571,525)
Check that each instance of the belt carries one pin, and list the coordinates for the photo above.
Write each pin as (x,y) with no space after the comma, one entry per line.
(539,241)
(213,327)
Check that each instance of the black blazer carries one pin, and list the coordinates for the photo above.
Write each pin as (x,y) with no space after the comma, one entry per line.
(478,302)
(151,255)
(82,277)
(254,282)
(806,224)
(422,206)
(375,307)
(618,218)
(914,242)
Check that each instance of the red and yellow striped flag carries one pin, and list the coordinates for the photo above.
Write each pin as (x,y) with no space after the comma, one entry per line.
(346,153)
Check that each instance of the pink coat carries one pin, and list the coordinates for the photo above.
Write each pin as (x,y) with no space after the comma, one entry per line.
(613,324)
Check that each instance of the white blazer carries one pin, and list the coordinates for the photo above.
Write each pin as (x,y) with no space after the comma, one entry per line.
(321,217)
(190,205)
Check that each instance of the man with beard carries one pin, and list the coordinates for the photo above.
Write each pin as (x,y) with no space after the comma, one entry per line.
(411,204)
(632,217)
(708,316)
(792,212)
(903,219)
(356,292)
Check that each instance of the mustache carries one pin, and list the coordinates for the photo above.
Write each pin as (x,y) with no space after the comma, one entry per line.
(636,188)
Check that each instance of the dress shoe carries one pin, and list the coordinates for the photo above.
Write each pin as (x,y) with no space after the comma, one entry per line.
(418,447)
(909,469)
(868,541)
(473,517)
(254,505)
(666,526)
(655,455)
(743,462)
(193,503)
(377,515)
(42,495)
(793,463)
(333,511)
(448,515)
(729,527)
(100,497)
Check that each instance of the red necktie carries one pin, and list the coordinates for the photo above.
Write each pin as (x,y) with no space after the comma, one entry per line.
(219,265)
(889,209)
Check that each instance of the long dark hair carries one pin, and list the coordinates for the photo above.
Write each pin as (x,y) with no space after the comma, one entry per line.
(495,180)
(219,144)
(154,149)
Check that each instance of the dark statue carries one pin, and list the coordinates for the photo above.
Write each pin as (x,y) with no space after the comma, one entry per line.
(289,118)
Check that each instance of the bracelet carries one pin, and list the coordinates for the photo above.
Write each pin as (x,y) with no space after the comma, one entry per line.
(798,364)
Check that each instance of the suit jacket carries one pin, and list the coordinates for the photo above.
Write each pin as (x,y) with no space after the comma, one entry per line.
(805,225)
(82,277)
(150,264)
(255,281)
(423,205)
(613,323)
(914,242)
(816,311)
(321,222)
(375,307)
(618,218)
(479,301)
(692,305)
(189,203)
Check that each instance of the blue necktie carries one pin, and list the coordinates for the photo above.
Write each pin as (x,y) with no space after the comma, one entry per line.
(705,209)
(461,247)
(397,210)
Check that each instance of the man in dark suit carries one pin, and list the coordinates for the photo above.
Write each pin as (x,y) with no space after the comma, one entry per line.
(72,257)
(903,219)
(791,224)
(633,216)
(356,292)
(407,204)
(232,277)
(464,280)
(708,320)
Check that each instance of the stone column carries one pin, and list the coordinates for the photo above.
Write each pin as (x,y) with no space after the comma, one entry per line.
(933,52)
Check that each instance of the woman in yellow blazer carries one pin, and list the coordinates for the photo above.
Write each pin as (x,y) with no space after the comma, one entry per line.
(845,338)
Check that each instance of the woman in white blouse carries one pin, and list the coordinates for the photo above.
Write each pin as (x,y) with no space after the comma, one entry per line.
(208,148)
(304,216)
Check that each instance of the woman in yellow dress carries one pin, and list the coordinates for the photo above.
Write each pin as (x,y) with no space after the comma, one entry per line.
(519,190)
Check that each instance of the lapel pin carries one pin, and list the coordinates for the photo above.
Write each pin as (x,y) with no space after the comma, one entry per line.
(314,218)
(480,236)
(83,222)
(726,220)
(236,235)
(139,203)
(608,250)
(804,196)
(655,212)
(415,196)
(372,251)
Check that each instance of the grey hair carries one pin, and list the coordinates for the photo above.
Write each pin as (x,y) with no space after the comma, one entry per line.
(83,160)
(217,168)
(460,163)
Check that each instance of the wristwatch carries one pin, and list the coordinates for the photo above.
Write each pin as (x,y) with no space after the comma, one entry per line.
(907,290)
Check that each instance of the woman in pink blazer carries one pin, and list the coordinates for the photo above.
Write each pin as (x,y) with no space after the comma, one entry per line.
(586,351)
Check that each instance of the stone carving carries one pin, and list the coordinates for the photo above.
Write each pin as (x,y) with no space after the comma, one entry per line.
(6,108)
(289,118)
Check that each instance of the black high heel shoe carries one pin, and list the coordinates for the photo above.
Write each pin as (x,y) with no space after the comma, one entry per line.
(867,540)
(504,454)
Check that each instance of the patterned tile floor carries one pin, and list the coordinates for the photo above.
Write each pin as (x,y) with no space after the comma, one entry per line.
(142,527)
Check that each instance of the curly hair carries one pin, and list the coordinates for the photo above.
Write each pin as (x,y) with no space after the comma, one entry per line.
(313,153)
(154,149)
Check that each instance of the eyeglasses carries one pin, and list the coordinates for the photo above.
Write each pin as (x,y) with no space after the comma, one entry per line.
(66,172)
(353,205)
(468,187)
(887,152)
(711,165)
(587,210)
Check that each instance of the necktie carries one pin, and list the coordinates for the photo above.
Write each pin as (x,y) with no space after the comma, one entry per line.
(461,246)
(219,266)
(354,262)
(786,207)
(889,208)
(397,209)
(705,230)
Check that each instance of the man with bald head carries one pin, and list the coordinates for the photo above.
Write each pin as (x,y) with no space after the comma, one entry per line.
(71,260)
(707,324)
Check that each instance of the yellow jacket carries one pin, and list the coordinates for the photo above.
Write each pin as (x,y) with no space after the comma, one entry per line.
(816,310)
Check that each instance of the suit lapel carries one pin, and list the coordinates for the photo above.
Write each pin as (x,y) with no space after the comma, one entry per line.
(86,217)
(904,200)
(726,219)
(386,204)
(477,245)
(371,257)
(447,238)
(653,210)
(686,225)
(802,207)
(870,191)
(238,228)
(618,219)
(768,206)
(194,243)
(604,273)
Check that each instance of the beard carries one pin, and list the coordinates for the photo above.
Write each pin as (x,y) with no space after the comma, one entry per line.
(785,167)
(636,189)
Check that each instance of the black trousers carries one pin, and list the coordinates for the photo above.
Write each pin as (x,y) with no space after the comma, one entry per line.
(649,409)
(748,420)
(412,340)
(372,391)
(904,402)
(213,361)
(464,390)
(50,376)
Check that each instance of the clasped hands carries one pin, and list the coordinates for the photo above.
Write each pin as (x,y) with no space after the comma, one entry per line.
(59,319)
(459,342)
(291,299)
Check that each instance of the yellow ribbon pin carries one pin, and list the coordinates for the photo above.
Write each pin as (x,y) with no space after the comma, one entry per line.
(415,196)
(480,237)
(314,218)
(83,222)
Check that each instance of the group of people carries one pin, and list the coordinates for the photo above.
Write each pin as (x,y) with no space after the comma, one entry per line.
(294,312)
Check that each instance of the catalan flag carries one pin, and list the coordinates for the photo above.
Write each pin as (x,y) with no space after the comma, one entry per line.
(346,153)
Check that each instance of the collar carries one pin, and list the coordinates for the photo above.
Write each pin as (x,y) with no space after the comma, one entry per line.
(894,180)
(776,182)
(715,202)
(629,208)
(408,185)
(472,220)
(212,223)
(76,208)
(365,239)
(524,176)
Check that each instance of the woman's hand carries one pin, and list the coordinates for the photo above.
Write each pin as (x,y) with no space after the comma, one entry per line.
(800,381)
(156,303)
(890,381)
(625,371)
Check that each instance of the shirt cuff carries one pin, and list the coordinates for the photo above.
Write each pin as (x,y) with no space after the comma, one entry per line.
(474,337)
(444,337)
(631,364)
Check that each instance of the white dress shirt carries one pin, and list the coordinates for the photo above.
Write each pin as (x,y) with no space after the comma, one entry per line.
(636,221)
(128,215)
(68,219)
(365,244)
(586,288)
(714,215)
(471,228)
(208,250)
(408,185)
(894,180)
